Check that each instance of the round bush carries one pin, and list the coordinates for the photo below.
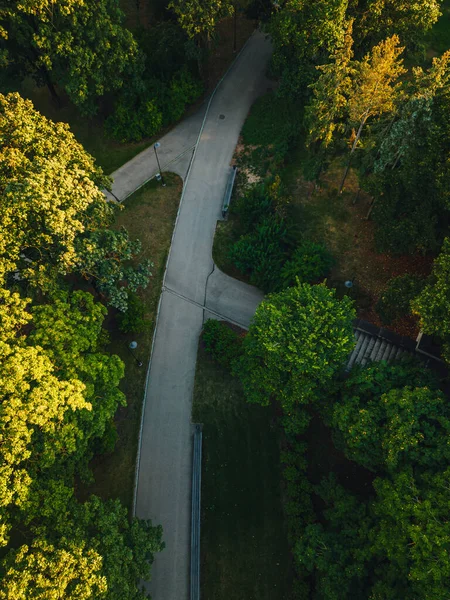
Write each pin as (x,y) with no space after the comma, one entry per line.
(134,120)
(309,262)
(221,342)
(133,320)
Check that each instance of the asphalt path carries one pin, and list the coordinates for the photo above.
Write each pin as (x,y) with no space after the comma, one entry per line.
(193,290)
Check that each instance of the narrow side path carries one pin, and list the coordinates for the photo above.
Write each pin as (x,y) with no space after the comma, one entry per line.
(174,154)
(164,475)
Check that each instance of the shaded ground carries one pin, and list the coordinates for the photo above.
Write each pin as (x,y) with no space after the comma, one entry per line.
(88,131)
(341,223)
(149,215)
(244,550)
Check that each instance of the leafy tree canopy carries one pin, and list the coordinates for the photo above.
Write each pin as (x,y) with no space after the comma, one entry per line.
(89,551)
(409,19)
(50,193)
(304,34)
(298,340)
(411,535)
(433,304)
(199,17)
(54,216)
(380,423)
(79,44)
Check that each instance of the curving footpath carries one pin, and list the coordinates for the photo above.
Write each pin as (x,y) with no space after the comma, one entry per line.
(193,290)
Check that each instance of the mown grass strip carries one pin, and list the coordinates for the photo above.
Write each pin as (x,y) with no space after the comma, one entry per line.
(244,550)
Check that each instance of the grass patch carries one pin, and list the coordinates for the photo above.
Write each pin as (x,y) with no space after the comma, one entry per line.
(149,215)
(244,549)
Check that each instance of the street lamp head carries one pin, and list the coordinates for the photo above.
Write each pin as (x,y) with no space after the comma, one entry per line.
(133,345)
(156,145)
(348,284)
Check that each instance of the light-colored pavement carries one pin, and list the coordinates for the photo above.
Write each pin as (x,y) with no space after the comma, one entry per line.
(174,154)
(164,472)
(231,299)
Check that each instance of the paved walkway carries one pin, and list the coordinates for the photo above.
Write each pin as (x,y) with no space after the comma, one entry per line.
(174,155)
(193,290)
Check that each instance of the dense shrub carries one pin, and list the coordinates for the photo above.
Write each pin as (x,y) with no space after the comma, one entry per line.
(134,118)
(252,206)
(395,301)
(182,90)
(262,252)
(221,342)
(133,320)
(164,46)
(309,262)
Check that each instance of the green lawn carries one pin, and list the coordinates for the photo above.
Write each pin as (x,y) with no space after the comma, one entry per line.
(245,555)
(149,214)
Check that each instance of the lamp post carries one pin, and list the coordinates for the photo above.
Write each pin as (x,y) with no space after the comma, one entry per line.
(131,347)
(155,147)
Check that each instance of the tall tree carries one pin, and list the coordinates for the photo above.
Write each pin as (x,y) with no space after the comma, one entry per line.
(304,34)
(69,330)
(35,402)
(54,217)
(335,550)
(325,113)
(403,426)
(79,44)
(90,551)
(433,304)
(376,88)
(43,570)
(409,19)
(410,536)
(298,340)
(199,18)
(412,168)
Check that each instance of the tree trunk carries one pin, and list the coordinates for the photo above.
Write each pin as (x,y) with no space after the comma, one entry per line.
(369,212)
(356,198)
(355,143)
(51,87)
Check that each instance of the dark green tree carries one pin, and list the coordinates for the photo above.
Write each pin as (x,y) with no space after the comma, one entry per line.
(91,550)
(304,34)
(410,536)
(433,304)
(389,415)
(81,45)
(336,551)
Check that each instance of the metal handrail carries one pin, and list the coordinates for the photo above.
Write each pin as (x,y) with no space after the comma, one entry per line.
(228,191)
